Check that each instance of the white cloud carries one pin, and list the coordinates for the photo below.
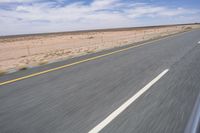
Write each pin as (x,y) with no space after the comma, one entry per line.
(159,11)
(51,16)
(103,4)
(15,1)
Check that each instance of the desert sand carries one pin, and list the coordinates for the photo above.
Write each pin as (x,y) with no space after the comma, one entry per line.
(18,52)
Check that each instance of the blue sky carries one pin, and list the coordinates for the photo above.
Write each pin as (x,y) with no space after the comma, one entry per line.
(38,16)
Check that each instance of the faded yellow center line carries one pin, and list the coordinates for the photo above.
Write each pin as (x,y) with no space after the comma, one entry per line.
(76,63)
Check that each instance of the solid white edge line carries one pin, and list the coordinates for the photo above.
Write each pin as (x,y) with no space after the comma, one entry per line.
(119,110)
(199,42)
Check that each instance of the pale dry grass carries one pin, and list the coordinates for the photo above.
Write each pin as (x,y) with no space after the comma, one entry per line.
(2,72)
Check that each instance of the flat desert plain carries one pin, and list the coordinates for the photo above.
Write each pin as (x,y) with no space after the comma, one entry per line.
(19,52)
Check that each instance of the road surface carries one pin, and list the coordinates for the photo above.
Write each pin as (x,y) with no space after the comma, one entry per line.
(151,88)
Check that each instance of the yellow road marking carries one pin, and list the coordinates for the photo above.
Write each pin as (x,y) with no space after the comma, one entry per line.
(78,62)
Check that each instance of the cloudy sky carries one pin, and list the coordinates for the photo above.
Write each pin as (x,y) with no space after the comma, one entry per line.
(38,16)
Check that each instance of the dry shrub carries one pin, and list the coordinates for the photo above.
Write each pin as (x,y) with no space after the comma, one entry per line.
(188,28)
(2,72)
(91,37)
(43,62)
(22,67)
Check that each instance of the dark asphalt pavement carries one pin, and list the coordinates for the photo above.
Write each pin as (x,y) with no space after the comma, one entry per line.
(77,98)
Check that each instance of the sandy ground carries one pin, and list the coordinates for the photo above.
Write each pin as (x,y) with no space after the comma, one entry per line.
(22,51)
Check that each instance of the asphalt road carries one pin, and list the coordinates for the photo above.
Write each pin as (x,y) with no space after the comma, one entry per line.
(78,98)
